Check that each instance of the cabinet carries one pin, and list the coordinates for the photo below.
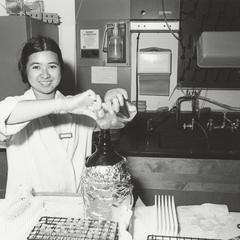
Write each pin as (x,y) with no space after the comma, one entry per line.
(15,31)
(190,180)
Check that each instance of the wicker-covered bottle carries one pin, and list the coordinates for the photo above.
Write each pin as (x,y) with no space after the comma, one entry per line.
(106,181)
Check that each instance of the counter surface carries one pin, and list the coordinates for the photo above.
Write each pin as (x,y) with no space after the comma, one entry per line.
(211,221)
(21,213)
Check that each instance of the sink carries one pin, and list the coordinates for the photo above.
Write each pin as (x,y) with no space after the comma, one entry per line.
(160,135)
(216,141)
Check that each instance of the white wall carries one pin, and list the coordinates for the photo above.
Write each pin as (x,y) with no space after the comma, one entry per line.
(66,10)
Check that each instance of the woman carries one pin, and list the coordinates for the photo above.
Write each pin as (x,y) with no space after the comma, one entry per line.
(49,135)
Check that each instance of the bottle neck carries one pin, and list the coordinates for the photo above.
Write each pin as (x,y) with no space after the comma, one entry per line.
(105,144)
(115,30)
(105,155)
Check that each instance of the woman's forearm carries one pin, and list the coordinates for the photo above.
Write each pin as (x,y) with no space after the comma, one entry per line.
(28,110)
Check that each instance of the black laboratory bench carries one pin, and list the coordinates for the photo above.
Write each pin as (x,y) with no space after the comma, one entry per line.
(196,158)
(153,134)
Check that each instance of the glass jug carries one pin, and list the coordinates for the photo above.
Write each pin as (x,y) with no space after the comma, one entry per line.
(106,182)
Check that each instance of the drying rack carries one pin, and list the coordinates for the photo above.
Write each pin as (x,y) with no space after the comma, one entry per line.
(161,237)
(62,228)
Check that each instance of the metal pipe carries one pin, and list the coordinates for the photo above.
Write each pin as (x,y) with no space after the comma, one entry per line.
(178,107)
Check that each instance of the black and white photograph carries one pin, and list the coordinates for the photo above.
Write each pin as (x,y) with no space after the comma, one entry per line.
(120,120)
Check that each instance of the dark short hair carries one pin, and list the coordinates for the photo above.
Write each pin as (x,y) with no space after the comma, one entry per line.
(38,44)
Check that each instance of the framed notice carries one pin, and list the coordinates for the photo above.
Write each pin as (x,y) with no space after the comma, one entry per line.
(89,39)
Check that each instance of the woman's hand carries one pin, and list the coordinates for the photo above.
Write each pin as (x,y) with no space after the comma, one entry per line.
(86,103)
(114,98)
(109,117)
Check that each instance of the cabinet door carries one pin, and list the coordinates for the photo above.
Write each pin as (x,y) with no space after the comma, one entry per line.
(15,31)
(40,28)
(13,34)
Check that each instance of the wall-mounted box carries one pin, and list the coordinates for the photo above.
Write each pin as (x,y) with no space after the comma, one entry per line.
(154,9)
(154,70)
(155,61)
(218,50)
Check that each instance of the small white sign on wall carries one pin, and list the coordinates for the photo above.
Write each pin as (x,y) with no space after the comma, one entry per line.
(89,38)
(104,75)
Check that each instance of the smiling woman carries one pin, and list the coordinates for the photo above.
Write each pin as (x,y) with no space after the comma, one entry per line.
(44,74)
(49,135)
(38,45)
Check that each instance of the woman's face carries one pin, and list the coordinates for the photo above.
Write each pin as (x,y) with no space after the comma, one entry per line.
(44,74)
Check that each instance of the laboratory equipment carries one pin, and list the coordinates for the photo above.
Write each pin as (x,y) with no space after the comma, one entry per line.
(106,182)
(114,42)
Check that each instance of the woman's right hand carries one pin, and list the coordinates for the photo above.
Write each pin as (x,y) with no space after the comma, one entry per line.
(86,103)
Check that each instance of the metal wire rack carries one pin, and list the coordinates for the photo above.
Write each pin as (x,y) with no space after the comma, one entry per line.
(59,228)
(161,237)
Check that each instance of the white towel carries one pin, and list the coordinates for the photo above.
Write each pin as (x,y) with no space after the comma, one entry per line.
(200,221)
(143,222)
(207,221)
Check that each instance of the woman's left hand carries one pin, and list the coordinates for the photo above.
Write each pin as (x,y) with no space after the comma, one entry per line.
(108,118)
(114,98)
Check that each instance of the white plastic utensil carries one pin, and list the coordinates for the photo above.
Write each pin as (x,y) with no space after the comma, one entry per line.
(166,215)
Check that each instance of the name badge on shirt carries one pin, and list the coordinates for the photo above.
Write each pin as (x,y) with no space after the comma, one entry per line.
(65,135)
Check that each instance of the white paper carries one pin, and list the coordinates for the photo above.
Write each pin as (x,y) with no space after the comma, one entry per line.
(89,38)
(104,75)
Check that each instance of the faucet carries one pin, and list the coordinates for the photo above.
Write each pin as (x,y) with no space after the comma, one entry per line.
(194,101)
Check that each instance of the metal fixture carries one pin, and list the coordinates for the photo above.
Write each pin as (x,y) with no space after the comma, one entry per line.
(189,125)
(153,26)
(227,124)
(194,101)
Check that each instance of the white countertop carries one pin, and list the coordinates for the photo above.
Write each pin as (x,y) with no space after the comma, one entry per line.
(207,221)
(18,217)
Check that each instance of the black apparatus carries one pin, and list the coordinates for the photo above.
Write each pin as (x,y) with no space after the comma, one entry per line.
(105,153)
